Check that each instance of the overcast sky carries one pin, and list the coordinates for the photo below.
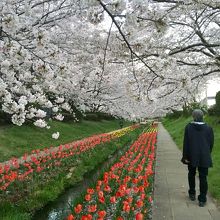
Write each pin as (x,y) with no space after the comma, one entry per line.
(213,87)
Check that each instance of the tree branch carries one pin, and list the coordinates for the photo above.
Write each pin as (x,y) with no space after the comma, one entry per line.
(125,39)
(205,74)
(178,50)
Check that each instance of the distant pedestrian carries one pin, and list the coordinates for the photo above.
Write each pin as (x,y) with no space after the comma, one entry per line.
(197,147)
(121,123)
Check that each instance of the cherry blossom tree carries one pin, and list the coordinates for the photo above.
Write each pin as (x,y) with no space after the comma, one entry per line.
(129,58)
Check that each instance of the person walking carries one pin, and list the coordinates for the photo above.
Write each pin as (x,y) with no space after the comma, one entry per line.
(197,147)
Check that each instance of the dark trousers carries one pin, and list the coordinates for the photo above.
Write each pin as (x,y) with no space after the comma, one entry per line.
(203,185)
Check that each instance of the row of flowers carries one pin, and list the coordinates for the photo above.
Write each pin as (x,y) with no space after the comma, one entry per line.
(123,131)
(124,190)
(42,160)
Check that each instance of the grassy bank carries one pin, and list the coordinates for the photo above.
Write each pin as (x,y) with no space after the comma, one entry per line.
(15,140)
(176,130)
(47,186)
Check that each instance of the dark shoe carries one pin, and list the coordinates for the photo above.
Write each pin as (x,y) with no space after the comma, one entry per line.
(192,197)
(202,204)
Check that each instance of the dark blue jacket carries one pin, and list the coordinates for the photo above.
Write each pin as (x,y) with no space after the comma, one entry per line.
(197,144)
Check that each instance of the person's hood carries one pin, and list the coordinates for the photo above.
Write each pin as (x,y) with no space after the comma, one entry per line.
(198,125)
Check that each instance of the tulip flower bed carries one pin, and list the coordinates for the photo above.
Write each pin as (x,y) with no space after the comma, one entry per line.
(123,131)
(19,170)
(124,191)
(35,175)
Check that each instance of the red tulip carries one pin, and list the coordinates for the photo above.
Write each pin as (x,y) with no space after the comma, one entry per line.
(107,189)
(100,194)
(118,194)
(99,182)
(146,184)
(102,199)
(102,214)
(92,208)
(128,191)
(136,189)
(6,168)
(90,191)
(126,208)
(141,188)
(87,197)
(143,196)
(113,199)
(86,217)
(129,199)
(139,203)
(139,216)
(135,180)
(70,217)
(123,187)
(150,199)
(98,188)
(78,208)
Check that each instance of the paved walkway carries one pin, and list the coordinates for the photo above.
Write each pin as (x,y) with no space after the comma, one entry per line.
(171,200)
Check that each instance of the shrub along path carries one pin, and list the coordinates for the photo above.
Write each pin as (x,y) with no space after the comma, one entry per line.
(170,193)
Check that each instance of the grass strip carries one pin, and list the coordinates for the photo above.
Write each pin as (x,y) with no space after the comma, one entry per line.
(15,140)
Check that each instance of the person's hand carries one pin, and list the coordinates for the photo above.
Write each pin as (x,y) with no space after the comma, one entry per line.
(185,161)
